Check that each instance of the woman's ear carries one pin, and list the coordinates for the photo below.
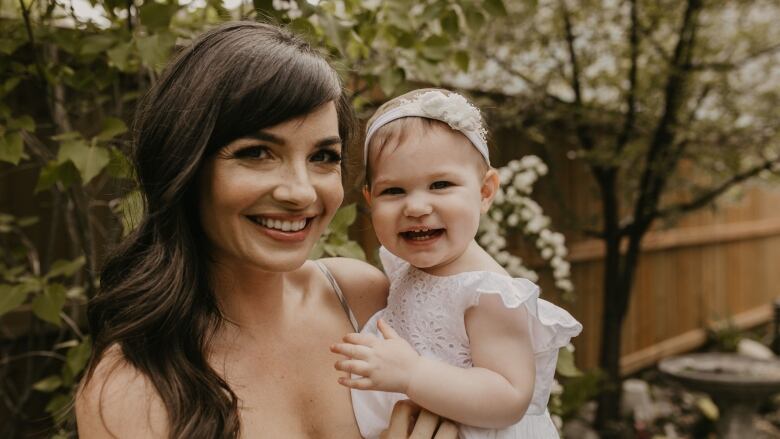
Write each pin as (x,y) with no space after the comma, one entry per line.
(367,195)
(490,185)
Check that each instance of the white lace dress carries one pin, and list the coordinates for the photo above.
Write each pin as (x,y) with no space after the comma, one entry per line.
(428,311)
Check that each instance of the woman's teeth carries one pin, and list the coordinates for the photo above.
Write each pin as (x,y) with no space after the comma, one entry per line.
(285,226)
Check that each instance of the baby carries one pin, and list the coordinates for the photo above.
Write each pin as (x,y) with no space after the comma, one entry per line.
(459,336)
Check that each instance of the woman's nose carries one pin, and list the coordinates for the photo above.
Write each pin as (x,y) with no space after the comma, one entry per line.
(417,206)
(295,187)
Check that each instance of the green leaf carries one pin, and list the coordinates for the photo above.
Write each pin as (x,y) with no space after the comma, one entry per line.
(120,57)
(450,23)
(96,44)
(53,172)
(65,268)
(27,221)
(10,84)
(119,165)
(390,79)
(129,209)
(89,160)
(77,356)
(157,15)
(47,306)
(343,218)
(474,18)
(70,135)
(495,8)
(9,45)
(48,384)
(566,366)
(351,249)
(155,49)
(22,123)
(11,147)
(58,404)
(266,8)
(435,48)
(112,127)
(462,60)
(11,297)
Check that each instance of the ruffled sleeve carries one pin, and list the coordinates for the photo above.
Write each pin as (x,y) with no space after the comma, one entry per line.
(391,263)
(550,327)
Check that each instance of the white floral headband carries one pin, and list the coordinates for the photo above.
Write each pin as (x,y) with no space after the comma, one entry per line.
(452,109)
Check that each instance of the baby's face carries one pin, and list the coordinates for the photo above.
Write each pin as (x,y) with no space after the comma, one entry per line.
(426,197)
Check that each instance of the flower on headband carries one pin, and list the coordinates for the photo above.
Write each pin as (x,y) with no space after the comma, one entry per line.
(453,109)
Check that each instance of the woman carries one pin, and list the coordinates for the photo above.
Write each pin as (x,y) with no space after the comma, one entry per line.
(210,321)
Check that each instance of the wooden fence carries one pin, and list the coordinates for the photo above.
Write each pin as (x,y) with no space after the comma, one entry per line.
(712,267)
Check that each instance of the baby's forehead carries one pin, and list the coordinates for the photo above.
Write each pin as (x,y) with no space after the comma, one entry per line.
(435,142)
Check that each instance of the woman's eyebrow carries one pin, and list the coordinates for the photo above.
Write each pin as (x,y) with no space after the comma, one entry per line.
(268,137)
(328,141)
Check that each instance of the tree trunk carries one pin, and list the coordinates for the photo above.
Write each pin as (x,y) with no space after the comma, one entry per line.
(611,336)
(619,274)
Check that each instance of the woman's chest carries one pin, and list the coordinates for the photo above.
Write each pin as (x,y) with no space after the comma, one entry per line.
(288,388)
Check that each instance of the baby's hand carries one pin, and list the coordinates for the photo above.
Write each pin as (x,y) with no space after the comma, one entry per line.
(383,364)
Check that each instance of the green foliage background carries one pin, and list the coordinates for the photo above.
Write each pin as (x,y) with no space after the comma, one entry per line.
(68,87)
(629,89)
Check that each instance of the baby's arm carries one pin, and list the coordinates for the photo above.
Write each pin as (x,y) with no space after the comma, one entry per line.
(495,393)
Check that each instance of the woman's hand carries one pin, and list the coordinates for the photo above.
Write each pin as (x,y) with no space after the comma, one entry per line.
(426,424)
(383,364)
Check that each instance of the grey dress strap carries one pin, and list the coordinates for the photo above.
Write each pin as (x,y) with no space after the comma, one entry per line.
(340,295)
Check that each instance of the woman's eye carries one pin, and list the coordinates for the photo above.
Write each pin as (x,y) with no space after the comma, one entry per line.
(441,184)
(251,152)
(392,191)
(326,156)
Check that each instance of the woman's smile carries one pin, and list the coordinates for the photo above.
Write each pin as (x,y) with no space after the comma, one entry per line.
(292,229)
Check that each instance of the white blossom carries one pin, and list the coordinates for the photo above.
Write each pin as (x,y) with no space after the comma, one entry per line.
(513,208)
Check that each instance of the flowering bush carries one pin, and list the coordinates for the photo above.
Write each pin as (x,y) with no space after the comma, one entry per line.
(513,209)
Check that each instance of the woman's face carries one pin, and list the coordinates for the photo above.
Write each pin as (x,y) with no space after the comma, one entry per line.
(265,199)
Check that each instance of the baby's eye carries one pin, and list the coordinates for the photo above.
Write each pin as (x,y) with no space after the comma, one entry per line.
(392,191)
(441,184)
(326,156)
(251,152)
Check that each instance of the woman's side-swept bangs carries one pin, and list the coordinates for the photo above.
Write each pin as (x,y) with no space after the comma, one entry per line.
(270,85)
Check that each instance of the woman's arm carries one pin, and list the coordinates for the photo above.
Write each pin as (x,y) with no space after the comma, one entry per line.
(495,393)
(119,402)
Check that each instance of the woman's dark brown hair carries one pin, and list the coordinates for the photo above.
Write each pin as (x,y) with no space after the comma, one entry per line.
(155,301)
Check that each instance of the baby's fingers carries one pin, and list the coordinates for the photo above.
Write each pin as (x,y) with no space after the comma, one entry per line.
(357,367)
(351,350)
(362,383)
(361,339)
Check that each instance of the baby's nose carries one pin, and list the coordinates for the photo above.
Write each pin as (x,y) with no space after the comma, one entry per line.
(417,206)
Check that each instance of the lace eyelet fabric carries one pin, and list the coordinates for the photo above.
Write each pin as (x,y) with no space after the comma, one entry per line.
(428,311)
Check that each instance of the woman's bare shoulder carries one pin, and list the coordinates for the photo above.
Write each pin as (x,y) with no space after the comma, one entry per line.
(365,286)
(119,401)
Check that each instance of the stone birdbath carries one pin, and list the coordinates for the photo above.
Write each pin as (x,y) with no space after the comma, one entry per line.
(736,383)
